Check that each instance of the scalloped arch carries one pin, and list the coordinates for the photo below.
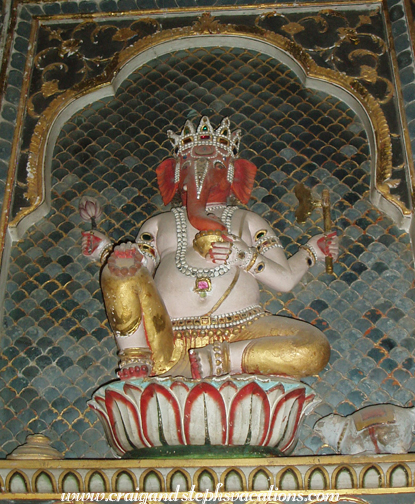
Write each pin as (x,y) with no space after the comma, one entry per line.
(310,74)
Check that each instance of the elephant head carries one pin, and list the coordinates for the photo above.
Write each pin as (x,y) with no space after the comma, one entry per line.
(205,170)
(330,429)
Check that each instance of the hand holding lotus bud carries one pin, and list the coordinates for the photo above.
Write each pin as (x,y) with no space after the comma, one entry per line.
(94,243)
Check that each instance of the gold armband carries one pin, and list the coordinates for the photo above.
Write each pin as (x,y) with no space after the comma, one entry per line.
(311,253)
(252,261)
(266,243)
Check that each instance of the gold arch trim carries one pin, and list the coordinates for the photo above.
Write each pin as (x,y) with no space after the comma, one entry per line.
(252,475)
(227,473)
(209,471)
(155,473)
(17,473)
(368,468)
(172,474)
(405,468)
(118,474)
(73,473)
(338,470)
(296,474)
(46,473)
(208,25)
(103,476)
(309,476)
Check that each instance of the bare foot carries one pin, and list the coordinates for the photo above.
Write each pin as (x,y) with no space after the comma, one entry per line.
(211,360)
(182,368)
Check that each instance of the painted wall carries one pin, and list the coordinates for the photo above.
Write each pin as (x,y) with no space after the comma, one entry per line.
(56,344)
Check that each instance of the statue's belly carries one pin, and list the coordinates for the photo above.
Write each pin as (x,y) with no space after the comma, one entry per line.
(181,299)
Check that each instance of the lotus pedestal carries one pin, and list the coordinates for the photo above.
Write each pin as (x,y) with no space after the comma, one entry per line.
(219,417)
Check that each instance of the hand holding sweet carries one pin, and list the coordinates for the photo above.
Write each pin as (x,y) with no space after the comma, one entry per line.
(94,243)
(232,251)
(324,245)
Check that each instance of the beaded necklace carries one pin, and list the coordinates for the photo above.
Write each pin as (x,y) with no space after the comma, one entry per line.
(181,232)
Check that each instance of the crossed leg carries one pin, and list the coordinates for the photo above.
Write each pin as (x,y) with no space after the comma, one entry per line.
(281,345)
(270,345)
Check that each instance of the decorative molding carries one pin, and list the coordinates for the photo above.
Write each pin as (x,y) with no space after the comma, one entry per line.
(110,471)
(58,99)
(123,475)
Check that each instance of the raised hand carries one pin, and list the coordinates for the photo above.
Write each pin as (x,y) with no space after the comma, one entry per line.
(325,245)
(94,243)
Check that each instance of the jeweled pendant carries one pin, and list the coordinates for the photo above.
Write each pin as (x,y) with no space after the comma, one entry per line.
(202,286)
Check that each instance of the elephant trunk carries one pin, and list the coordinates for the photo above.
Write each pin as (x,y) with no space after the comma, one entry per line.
(197,197)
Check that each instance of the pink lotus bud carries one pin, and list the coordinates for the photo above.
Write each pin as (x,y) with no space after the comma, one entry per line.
(89,209)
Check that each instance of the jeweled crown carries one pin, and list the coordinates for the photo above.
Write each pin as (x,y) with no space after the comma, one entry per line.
(206,135)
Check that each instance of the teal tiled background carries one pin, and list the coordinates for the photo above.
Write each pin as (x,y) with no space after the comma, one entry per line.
(58,348)
(27,11)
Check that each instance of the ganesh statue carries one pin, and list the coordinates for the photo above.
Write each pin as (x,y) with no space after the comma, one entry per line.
(201,362)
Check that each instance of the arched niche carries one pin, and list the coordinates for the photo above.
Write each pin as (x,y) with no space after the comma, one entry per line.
(44,482)
(17,482)
(371,477)
(118,82)
(311,76)
(97,481)
(70,481)
(289,479)
(178,479)
(152,481)
(124,481)
(233,480)
(317,478)
(260,479)
(205,479)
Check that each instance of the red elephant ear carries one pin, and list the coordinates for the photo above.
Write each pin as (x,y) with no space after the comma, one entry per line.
(165,179)
(243,179)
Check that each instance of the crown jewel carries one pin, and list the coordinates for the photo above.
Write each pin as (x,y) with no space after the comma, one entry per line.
(206,135)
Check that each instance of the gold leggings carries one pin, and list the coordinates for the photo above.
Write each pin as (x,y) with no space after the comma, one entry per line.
(276,345)
(285,346)
(270,345)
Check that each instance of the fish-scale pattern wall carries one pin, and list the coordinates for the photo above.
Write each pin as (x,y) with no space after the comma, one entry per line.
(58,348)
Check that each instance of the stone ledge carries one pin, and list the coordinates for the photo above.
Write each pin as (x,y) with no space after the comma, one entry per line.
(346,475)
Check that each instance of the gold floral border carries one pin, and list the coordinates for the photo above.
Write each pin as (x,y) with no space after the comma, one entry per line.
(345,496)
(411,21)
(207,24)
(409,153)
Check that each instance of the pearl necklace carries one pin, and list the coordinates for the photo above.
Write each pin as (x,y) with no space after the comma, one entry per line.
(181,232)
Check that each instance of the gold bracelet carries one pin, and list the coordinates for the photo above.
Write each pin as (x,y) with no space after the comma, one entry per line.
(105,253)
(252,261)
